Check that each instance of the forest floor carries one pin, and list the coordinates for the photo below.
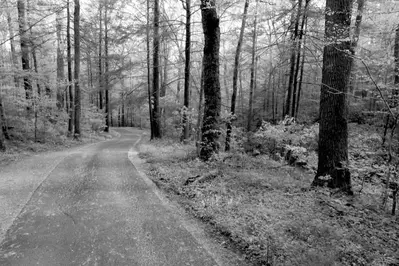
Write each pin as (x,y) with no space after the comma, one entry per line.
(266,211)
(17,149)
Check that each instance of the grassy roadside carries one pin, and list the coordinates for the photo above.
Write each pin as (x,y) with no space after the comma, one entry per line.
(265,210)
(17,150)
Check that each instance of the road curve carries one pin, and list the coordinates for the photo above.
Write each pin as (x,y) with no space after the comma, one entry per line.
(94,209)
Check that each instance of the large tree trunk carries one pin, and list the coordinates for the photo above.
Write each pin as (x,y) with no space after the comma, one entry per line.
(76,28)
(24,40)
(107,103)
(69,59)
(156,91)
(337,64)
(211,123)
(235,74)
(186,121)
(60,64)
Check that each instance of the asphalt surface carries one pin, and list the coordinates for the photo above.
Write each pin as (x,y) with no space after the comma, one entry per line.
(94,208)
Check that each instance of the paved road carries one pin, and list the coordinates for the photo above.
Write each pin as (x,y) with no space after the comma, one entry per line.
(95,209)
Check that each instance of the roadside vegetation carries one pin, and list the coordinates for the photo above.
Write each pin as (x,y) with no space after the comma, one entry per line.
(259,201)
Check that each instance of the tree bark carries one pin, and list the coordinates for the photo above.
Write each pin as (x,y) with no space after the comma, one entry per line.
(212,94)
(12,47)
(149,71)
(3,121)
(235,74)
(337,64)
(76,28)
(60,64)
(252,85)
(187,71)
(24,40)
(156,91)
(396,58)
(106,77)
(69,58)
(2,136)
(100,57)
(299,47)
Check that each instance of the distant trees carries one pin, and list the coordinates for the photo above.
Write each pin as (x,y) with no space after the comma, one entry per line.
(337,64)
(211,122)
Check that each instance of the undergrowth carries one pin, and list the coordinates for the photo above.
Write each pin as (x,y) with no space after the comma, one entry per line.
(265,208)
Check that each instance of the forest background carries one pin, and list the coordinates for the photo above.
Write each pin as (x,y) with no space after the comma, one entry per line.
(71,69)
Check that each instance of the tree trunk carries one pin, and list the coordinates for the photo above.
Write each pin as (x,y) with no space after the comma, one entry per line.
(100,59)
(2,137)
(107,103)
(3,121)
(252,85)
(12,46)
(293,60)
(24,40)
(302,68)
(186,121)
(337,64)
(76,27)
(149,71)
(200,112)
(156,91)
(355,39)
(396,58)
(235,74)
(69,58)
(210,128)
(60,64)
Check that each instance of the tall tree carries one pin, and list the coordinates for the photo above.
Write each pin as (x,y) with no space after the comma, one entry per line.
(396,58)
(187,70)
(155,86)
(337,64)
(299,47)
(69,59)
(100,56)
(76,29)
(106,81)
(149,91)
(12,44)
(252,84)
(60,63)
(294,37)
(212,94)
(235,74)
(3,122)
(24,40)
(2,138)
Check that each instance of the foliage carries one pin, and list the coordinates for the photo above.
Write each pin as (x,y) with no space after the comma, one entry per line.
(266,210)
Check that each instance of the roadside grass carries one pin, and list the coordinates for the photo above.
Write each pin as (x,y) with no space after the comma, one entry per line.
(265,210)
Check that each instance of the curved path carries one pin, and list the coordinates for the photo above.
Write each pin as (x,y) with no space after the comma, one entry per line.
(94,208)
